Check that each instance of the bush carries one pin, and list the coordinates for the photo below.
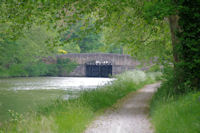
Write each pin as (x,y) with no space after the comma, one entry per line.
(37,69)
(175,108)
(3,72)
(62,68)
(17,70)
(65,66)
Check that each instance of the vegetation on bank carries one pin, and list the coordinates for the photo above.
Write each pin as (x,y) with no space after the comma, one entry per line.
(174,112)
(74,115)
(61,68)
(177,114)
(22,101)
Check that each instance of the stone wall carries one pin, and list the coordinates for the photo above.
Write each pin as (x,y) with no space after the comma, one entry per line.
(115,59)
(120,63)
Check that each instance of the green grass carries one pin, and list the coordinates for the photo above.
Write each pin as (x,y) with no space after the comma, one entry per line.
(74,115)
(176,114)
(25,100)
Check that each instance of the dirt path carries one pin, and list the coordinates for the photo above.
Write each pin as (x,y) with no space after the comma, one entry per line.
(131,115)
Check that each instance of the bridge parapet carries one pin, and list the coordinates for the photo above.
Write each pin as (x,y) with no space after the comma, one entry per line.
(115,59)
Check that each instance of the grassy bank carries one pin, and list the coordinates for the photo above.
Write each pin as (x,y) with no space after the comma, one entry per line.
(74,115)
(61,68)
(25,100)
(175,113)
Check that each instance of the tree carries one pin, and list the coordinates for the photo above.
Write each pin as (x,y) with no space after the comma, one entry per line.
(184,20)
(83,37)
(126,21)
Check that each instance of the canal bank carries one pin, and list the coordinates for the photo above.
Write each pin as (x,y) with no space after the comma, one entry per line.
(74,115)
(24,94)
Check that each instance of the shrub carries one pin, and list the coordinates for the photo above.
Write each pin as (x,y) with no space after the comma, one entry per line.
(17,70)
(62,68)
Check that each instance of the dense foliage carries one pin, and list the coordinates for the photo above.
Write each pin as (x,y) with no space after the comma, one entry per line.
(62,68)
(184,20)
(23,57)
(177,97)
(118,22)
(86,26)
(139,28)
(189,49)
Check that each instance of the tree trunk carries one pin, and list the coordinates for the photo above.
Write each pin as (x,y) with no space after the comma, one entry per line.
(174,27)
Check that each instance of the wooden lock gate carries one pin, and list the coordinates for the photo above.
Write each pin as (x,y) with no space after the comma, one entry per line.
(98,69)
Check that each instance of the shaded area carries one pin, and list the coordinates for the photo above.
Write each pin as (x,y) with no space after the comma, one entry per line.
(98,69)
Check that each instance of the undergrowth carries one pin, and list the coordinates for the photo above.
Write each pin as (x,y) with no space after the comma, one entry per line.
(62,67)
(174,112)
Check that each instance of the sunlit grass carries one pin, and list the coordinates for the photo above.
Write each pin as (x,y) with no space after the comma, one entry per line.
(74,115)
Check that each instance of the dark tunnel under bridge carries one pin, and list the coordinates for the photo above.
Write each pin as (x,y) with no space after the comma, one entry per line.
(98,69)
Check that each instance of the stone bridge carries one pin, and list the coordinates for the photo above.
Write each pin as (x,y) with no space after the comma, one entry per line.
(119,62)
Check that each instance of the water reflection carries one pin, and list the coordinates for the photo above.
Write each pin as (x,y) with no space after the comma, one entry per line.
(63,83)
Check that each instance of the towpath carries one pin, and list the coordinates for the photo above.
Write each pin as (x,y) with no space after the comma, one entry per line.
(129,115)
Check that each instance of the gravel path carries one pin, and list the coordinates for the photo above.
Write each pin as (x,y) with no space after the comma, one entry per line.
(130,115)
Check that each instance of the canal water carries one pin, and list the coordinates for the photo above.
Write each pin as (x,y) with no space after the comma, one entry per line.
(25,94)
(63,83)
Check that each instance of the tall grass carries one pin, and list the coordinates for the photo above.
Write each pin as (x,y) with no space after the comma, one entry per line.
(174,112)
(74,115)
(178,115)
(23,101)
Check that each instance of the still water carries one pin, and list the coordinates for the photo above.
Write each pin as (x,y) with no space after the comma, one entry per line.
(62,83)
(24,94)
